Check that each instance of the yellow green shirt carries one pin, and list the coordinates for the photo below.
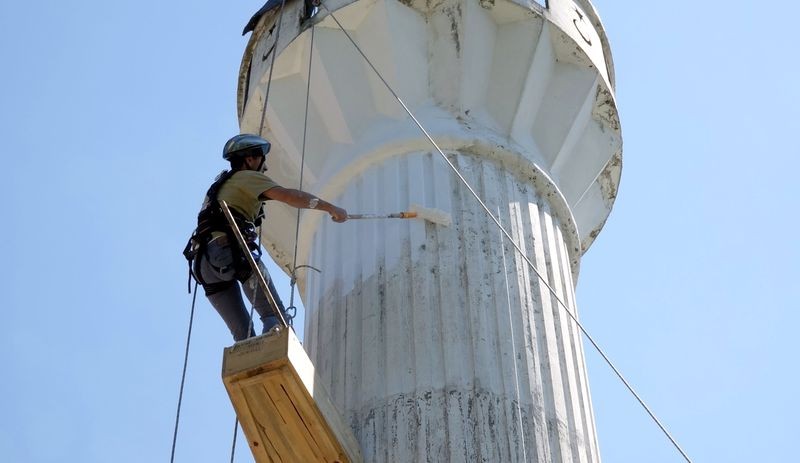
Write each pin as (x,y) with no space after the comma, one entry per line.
(242,191)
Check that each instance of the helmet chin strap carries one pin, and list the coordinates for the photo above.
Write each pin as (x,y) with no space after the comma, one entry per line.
(263,166)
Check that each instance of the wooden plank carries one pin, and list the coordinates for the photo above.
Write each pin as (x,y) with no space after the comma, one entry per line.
(286,415)
(265,352)
(302,420)
(313,422)
(286,419)
(272,427)
(262,451)
(311,450)
(301,364)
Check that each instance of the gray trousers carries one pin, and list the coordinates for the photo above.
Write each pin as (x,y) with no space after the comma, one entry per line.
(217,272)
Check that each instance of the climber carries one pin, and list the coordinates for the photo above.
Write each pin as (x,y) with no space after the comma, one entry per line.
(215,258)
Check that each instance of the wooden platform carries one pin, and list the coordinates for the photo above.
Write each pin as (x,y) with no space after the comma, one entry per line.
(285,413)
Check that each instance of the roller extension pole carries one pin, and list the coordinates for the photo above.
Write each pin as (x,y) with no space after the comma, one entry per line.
(398,215)
(253,265)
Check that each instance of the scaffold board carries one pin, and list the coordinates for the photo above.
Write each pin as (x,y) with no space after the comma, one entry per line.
(285,413)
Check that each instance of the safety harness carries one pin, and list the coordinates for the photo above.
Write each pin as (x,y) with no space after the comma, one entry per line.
(211,219)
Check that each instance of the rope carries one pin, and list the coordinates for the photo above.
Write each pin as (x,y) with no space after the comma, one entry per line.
(194,297)
(251,329)
(302,171)
(235,433)
(513,348)
(261,132)
(271,67)
(274,52)
(183,375)
(511,240)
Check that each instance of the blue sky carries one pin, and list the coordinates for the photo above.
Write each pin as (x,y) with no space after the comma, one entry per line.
(113,116)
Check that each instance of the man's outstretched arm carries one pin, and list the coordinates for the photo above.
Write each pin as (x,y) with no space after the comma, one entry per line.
(302,200)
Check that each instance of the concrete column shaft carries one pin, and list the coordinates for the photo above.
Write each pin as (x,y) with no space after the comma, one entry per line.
(440,343)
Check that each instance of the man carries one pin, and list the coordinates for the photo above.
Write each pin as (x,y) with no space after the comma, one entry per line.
(217,262)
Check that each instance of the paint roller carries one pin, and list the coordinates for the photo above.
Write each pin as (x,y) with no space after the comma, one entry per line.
(415,212)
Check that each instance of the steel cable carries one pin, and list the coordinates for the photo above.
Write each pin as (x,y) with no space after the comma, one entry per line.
(511,239)
(271,67)
(302,171)
(183,375)
(235,433)
(261,132)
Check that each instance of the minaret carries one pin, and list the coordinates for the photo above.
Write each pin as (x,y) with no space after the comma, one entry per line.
(438,343)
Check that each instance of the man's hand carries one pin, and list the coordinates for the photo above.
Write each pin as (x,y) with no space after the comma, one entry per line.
(337,214)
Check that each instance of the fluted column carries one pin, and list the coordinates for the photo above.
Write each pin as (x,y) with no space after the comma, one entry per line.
(438,343)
